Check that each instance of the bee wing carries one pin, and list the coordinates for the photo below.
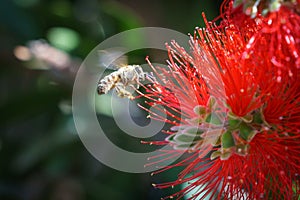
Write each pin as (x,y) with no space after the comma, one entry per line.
(112,58)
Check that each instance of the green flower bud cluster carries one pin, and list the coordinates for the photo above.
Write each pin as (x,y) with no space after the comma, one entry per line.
(207,128)
(253,7)
(202,129)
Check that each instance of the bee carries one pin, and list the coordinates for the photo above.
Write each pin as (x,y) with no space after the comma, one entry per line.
(125,77)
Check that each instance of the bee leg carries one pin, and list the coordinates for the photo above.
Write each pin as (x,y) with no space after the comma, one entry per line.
(122,92)
(150,76)
(137,84)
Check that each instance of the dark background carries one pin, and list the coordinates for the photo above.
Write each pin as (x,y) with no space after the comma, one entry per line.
(41,156)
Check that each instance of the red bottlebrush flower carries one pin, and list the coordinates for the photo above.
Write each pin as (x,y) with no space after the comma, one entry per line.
(234,103)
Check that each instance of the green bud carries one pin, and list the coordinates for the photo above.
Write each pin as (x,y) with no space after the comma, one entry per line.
(257,118)
(217,142)
(246,132)
(237,3)
(195,120)
(184,138)
(200,110)
(242,149)
(232,115)
(215,154)
(227,140)
(225,155)
(193,131)
(211,102)
(184,146)
(247,118)
(212,118)
(233,123)
(274,5)
(170,138)
(264,12)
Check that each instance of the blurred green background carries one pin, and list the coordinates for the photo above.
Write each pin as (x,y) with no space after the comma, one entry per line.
(41,156)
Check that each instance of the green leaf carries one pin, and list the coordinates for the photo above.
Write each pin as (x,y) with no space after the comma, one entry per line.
(193,130)
(257,118)
(242,149)
(237,3)
(184,146)
(217,142)
(232,115)
(187,135)
(246,132)
(225,155)
(247,118)
(195,120)
(211,102)
(213,136)
(177,128)
(170,138)
(274,5)
(200,110)
(227,140)
(212,118)
(264,12)
(184,138)
(250,8)
(233,123)
(215,154)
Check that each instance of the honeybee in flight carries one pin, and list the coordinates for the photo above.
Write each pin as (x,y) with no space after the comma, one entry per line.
(126,76)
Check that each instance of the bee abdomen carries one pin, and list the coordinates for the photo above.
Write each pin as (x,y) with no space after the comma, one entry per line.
(107,83)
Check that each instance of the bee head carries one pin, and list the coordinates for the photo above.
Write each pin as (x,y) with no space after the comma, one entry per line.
(100,89)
